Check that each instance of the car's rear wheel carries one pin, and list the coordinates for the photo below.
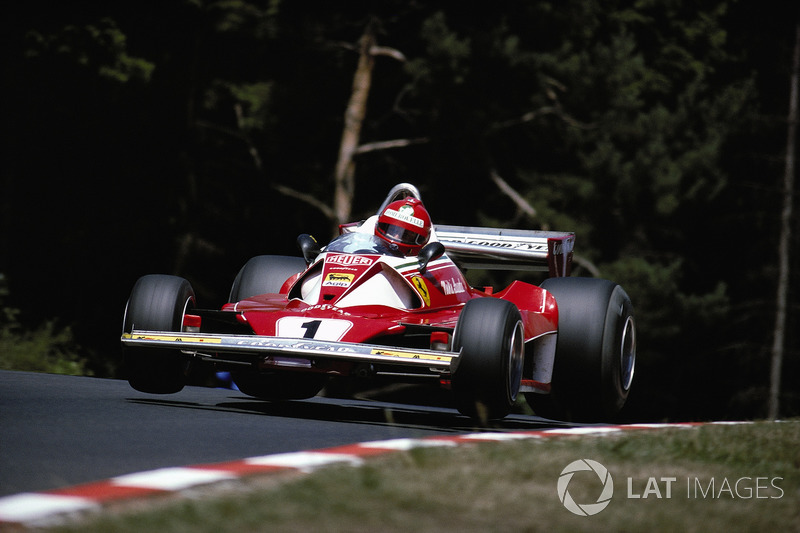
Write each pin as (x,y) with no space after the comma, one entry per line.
(264,274)
(277,386)
(486,378)
(157,303)
(595,351)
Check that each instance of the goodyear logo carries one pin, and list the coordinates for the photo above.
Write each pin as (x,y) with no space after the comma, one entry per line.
(338,279)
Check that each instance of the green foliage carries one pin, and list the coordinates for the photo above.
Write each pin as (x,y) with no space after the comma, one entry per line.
(666,314)
(254,101)
(656,123)
(447,54)
(45,349)
(101,47)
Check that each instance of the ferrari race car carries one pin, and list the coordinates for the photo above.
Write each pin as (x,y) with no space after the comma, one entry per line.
(388,297)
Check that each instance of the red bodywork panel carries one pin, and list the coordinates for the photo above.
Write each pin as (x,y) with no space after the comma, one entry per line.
(438,295)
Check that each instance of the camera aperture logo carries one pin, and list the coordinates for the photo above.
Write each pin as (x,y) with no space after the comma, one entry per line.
(585,509)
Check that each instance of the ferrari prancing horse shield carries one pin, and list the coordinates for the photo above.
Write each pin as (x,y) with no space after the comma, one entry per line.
(422,289)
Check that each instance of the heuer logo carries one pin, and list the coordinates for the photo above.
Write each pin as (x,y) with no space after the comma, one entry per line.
(338,279)
(346,259)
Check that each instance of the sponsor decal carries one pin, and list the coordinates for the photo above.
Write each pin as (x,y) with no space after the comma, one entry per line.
(405,214)
(266,343)
(497,243)
(452,286)
(338,279)
(422,289)
(327,307)
(509,245)
(347,259)
(412,355)
(563,247)
(173,338)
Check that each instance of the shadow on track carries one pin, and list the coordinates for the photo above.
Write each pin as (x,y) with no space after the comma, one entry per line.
(361,411)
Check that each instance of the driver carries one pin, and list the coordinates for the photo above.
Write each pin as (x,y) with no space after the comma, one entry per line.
(405,225)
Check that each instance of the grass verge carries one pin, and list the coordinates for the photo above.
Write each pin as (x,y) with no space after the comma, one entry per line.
(709,478)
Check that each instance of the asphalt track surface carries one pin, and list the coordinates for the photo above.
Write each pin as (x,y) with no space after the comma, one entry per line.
(57,431)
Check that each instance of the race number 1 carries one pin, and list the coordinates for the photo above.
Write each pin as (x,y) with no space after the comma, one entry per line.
(327,329)
(311,328)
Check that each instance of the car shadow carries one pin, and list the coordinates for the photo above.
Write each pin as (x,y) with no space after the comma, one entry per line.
(437,418)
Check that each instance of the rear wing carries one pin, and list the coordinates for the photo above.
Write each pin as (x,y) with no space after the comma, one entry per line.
(508,249)
(491,248)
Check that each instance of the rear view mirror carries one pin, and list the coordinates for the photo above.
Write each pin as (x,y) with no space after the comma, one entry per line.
(429,252)
(308,245)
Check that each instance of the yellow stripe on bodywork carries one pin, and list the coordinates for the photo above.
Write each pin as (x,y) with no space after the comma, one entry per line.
(172,338)
(412,355)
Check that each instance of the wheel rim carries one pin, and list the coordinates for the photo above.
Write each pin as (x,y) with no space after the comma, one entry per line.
(125,319)
(188,305)
(627,354)
(516,358)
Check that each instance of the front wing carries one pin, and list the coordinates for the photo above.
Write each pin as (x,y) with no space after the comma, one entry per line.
(204,345)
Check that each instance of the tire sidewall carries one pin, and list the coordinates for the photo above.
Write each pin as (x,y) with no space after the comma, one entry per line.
(620,309)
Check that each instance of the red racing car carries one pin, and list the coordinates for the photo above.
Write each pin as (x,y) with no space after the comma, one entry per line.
(388,298)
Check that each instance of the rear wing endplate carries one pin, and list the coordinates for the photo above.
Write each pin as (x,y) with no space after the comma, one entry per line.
(508,249)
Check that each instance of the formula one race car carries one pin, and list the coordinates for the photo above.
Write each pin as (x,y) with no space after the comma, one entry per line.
(388,297)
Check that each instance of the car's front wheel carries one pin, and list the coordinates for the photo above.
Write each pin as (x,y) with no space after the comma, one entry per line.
(486,378)
(157,303)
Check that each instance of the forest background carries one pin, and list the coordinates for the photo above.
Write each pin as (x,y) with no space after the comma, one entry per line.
(185,136)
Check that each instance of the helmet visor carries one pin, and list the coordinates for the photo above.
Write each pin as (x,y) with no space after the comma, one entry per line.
(401,235)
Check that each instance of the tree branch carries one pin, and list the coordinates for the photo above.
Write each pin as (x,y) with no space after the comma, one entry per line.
(250,146)
(307,198)
(588,265)
(521,203)
(386,145)
(542,111)
(344,174)
(388,52)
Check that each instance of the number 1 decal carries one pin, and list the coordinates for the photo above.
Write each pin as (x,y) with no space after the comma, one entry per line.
(311,328)
(323,329)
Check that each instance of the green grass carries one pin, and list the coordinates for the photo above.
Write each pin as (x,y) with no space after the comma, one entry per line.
(510,486)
